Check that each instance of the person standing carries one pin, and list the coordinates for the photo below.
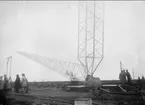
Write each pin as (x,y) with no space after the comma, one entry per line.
(5,83)
(0,80)
(143,78)
(128,76)
(120,76)
(123,77)
(9,85)
(24,83)
(17,85)
(1,83)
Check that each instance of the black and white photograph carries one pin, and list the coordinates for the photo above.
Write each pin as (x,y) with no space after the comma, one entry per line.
(81,52)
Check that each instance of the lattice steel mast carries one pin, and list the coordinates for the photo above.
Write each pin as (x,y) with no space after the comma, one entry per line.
(68,69)
(90,35)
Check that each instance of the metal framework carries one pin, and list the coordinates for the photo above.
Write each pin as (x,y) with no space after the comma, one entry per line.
(90,35)
(70,70)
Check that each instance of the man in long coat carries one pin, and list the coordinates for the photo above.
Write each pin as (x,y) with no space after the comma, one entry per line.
(17,83)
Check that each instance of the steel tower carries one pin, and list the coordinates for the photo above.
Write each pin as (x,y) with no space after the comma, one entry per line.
(90,35)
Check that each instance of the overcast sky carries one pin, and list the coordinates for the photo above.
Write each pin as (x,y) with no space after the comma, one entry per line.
(51,29)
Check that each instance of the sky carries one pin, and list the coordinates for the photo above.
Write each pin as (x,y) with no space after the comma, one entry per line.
(51,29)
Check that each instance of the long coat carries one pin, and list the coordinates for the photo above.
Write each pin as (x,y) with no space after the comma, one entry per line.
(1,84)
(24,82)
(17,84)
(9,84)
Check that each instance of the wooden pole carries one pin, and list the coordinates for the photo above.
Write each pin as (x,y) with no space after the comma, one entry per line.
(133,72)
(120,65)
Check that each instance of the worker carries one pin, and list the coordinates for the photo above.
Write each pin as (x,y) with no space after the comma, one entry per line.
(5,83)
(1,83)
(128,76)
(0,80)
(138,79)
(24,83)
(142,78)
(17,84)
(122,77)
(3,99)
(139,84)
(9,84)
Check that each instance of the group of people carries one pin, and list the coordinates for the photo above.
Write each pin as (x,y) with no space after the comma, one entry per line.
(5,84)
(19,85)
(125,77)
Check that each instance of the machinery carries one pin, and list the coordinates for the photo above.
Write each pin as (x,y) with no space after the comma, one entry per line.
(90,56)
(91,39)
(71,70)
(90,46)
